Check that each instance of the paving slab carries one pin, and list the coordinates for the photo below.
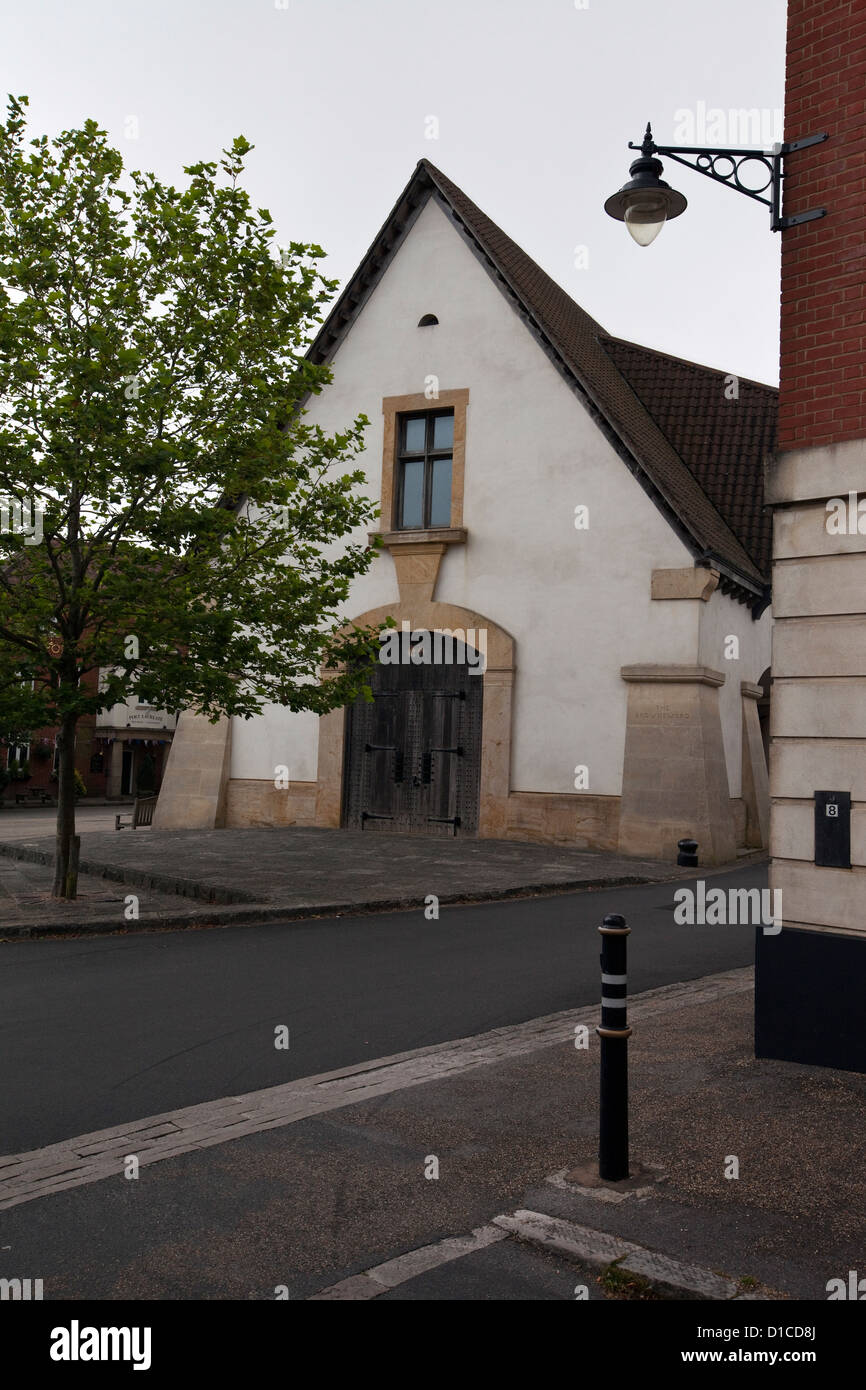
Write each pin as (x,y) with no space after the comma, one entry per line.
(26,904)
(259,874)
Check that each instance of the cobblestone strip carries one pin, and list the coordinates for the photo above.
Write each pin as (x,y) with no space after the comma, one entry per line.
(92,1157)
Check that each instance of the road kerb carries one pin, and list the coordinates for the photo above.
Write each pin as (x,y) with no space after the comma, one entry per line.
(666,1276)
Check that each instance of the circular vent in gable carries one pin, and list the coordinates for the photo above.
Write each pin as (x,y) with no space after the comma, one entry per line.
(427,321)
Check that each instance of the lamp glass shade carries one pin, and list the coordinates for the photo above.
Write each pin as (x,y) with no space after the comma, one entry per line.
(645,215)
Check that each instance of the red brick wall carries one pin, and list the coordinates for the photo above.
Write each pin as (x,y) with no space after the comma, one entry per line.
(823,331)
(41,767)
(88,743)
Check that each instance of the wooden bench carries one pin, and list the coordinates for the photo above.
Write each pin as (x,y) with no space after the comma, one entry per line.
(142,814)
(34,794)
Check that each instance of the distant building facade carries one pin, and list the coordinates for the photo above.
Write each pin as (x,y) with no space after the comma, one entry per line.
(114,752)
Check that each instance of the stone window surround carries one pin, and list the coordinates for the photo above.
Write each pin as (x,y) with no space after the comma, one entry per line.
(392,406)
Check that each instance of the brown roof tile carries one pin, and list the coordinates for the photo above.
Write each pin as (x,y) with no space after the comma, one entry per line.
(722,441)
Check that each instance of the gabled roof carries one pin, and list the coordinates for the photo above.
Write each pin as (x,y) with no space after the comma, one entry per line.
(698,455)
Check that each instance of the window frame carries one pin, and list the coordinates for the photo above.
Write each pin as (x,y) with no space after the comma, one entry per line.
(428,456)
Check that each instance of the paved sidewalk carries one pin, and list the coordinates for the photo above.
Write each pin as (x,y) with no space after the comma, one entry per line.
(261,874)
(330,1179)
(26,902)
(38,822)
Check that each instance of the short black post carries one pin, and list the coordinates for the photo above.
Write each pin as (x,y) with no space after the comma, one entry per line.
(614,1033)
(688,853)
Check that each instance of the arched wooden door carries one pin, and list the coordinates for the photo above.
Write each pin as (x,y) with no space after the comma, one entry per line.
(413,755)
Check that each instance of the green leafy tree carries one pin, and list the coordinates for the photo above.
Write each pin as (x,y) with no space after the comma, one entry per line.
(171,518)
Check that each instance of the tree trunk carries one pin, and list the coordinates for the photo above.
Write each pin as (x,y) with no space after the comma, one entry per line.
(66,856)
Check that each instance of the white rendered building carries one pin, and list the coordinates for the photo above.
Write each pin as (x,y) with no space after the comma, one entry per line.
(584,515)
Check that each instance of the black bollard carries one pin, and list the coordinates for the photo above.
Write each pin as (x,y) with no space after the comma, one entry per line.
(688,853)
(614,1033)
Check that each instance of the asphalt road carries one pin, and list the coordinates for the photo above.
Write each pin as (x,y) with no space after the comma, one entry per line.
(103,1030)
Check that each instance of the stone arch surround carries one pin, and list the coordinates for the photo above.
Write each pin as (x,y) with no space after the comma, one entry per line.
(496,718)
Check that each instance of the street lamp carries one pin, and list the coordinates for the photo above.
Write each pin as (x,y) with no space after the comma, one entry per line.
(646,202)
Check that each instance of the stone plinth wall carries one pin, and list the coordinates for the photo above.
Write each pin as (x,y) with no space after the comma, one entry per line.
(675,781)
(257,802)
(193,791)
(581,820)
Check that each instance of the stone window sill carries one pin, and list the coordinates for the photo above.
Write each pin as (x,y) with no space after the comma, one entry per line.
(441,535)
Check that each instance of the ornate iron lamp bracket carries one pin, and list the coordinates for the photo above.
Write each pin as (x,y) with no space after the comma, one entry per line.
(725,166)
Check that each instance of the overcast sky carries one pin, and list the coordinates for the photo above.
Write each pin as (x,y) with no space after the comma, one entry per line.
(535,102)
